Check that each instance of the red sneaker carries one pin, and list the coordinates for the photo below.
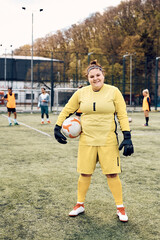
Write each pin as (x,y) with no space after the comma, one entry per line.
(122,215)
(48,122)
(78,209)
(42,122)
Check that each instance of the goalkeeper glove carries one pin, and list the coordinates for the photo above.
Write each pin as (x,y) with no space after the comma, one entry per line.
(58,135)
(127,144)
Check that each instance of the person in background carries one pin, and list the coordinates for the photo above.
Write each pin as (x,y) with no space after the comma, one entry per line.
(43,104)
(11,106)
(146,105)
(99,103)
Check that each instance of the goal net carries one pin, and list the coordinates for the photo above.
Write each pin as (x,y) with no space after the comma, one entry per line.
(61,97)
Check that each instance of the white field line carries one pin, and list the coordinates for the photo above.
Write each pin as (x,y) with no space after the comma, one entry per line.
(133,133)
(30,127)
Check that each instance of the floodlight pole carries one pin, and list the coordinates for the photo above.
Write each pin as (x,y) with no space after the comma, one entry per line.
(32,69)
(24,8)
(5,64)
(5,67)
(129,55)
(124,74)
(131,80)
(156,81)
(52,82)
(89,54)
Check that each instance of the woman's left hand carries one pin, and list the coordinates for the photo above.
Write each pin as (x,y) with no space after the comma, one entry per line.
(127,144)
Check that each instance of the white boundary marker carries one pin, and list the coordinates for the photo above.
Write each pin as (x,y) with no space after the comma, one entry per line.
(30,127)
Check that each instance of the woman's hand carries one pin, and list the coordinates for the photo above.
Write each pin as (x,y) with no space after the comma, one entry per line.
(127,144)
(59,136)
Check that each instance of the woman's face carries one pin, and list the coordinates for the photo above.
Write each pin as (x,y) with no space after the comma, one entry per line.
(10,91)
(42,90)
(96,79)
(144,94)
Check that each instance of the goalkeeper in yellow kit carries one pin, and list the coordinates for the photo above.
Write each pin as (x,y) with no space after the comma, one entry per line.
(146,105)
(98,141)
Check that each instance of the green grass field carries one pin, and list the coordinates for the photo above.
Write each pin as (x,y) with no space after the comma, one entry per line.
(38,185)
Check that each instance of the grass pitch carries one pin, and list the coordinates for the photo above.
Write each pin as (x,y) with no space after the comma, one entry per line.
(38,185)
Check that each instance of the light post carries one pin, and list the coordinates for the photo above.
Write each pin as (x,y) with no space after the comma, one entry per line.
(24,8)
(124,56)
(5,67)
(89,54)
(0,45)
(5,64)
(156,81)
(76,69)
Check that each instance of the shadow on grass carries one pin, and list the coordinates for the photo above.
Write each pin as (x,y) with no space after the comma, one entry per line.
(86,227)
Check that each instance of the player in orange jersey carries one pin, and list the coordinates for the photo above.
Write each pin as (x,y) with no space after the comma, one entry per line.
(11,106)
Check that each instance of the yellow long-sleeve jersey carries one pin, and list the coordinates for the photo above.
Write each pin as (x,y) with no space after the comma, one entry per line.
(98,114)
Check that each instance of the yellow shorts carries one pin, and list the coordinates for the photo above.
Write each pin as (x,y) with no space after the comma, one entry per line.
(108,158)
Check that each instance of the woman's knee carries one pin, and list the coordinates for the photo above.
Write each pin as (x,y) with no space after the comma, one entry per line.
(86,175)
(111,175)
(146,113)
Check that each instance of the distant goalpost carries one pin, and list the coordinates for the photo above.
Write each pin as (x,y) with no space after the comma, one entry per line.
(61,97)
(23,98)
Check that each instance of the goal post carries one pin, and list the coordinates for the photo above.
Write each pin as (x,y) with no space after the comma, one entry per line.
(61,97)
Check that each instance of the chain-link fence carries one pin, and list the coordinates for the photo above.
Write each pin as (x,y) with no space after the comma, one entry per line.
(130,73)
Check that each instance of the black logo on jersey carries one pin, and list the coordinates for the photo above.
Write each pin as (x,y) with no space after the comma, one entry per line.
(94,106)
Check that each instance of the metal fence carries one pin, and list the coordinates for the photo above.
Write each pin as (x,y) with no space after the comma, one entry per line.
(130,73)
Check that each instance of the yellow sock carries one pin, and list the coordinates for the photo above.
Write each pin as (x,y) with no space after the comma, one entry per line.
(116,189)
(83,185)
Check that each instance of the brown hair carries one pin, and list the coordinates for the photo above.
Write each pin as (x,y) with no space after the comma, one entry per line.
(94,64)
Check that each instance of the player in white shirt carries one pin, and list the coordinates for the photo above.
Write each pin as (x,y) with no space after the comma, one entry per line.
(43,104)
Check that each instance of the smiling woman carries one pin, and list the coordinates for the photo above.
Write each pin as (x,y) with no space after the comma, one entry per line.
(95,76)
(99,103)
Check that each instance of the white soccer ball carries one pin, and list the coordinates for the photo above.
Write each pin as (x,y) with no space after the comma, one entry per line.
(130,119)
(71,127)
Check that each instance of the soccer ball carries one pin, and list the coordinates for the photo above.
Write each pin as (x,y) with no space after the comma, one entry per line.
(130,119)
(71,127)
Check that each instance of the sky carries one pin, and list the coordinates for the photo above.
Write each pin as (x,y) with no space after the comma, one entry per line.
(16,23)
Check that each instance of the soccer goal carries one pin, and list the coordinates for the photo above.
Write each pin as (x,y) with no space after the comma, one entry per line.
(61,97)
